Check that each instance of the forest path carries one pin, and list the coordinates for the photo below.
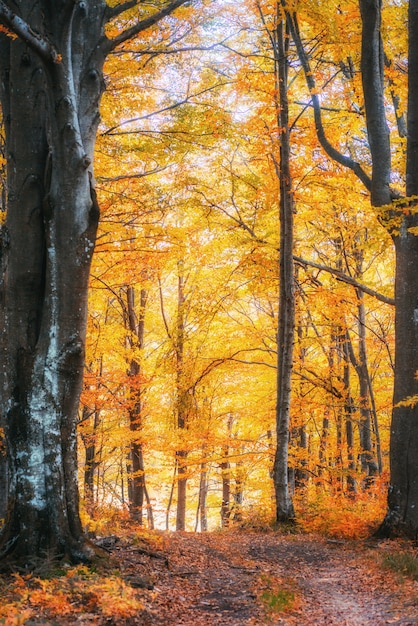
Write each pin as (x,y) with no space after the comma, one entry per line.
(220,579)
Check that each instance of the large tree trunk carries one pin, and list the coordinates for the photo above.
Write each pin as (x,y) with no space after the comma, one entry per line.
(51,113)
(402,514)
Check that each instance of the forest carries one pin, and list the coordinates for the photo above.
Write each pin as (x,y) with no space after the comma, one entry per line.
(180,387)
(209,289)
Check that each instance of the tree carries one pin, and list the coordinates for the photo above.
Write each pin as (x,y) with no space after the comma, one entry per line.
(402,514)
(136,324)
(52,82)
(286,328)
(399,216)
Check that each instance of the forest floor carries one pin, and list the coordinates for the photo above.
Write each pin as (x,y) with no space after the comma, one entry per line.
(237,578)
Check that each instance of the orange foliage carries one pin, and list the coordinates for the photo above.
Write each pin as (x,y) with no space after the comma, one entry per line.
(185,166)
(77,592)
(341,515)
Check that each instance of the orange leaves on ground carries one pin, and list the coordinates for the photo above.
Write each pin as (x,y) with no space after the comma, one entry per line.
(46,596)
(14,616)
(112,597)
(76,592)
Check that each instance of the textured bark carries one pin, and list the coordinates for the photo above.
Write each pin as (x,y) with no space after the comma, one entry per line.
(402,514)
(372,72)
(48,240)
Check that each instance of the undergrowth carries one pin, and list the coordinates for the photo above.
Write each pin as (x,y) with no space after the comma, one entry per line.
(340,515)
(80,590)
(331,513)
(277,595)
(404,563)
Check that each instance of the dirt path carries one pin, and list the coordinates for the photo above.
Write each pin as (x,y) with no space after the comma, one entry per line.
(219,580)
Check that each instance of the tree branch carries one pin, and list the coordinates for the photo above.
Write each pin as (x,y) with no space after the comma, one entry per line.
(113,179)
(19,27)
(112,12)
(143,24)
(332,152)
(170,107)
(346,279)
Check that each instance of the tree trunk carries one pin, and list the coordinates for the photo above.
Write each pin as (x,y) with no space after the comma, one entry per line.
(136,478)
(201,513)
(52,216)
(402,514)
(323,461)
(182,401)
(369,465)
(348,415)
(285,336)
(226,509)
(238,492)
(91,462)
(301,475)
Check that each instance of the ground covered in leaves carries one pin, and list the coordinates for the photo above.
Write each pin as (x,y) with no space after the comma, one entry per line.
(233,578)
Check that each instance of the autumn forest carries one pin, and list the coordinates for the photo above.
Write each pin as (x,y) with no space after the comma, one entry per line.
(178,412)
(208,312)
(251,172)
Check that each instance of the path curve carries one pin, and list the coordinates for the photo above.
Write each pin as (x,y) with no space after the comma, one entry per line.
(217,579)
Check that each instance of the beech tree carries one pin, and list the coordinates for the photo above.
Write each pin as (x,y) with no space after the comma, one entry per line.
(398,214)
(51,62)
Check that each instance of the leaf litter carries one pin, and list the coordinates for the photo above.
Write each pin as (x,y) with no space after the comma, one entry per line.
(227,578)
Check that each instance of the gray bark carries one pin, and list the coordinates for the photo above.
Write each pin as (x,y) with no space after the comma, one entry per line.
(286,328)
(48,240)
(402,514)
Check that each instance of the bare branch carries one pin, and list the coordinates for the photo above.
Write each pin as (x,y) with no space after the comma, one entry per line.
(346,279)
(19,27)
(221,361)
(332,152)
(156,170)
(143,24)
(316,381)
(175,105)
